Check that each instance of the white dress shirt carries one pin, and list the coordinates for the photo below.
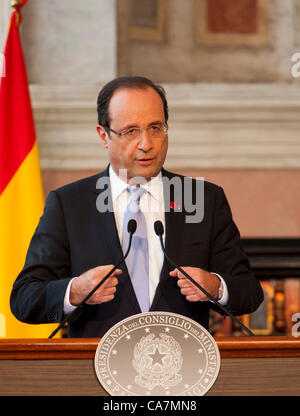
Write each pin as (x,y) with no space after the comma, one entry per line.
(152,206)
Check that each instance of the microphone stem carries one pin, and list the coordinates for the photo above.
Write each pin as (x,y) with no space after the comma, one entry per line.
(80,305)
(204,291)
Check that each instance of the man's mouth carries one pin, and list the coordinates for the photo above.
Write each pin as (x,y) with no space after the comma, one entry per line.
(145,161)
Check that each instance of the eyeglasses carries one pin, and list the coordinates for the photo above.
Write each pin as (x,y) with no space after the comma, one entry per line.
(155,131)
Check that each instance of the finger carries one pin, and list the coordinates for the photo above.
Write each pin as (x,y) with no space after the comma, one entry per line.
(197,297)
(192,298)
(108,291)
(177,273)
(103,295)
(101,299)
(181,275)
(117,272)
(105,299)
(184,283)
(113,281)
(102,271)
(187,292)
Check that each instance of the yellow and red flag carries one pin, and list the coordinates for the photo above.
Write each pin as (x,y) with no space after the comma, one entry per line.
(21,192)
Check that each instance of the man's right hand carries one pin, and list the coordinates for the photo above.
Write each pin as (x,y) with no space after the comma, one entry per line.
(83,284)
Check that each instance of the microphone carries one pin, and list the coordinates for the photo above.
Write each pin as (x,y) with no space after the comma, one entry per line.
(131,228)
(159,231)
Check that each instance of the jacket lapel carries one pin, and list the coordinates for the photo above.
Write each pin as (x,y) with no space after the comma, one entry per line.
(105,220)
(174,223)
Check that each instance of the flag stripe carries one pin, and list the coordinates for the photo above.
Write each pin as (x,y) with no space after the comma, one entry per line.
(21,206)
(16,121)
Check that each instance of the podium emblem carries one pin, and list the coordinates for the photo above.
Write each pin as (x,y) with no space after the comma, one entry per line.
(157,362)
(157,354)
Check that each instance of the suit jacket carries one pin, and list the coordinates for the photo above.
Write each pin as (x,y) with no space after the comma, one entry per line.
(72,237)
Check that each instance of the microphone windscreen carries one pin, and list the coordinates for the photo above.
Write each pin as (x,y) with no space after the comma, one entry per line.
(131,226)
(158,228)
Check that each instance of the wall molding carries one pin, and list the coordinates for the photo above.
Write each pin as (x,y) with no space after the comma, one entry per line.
(211,126)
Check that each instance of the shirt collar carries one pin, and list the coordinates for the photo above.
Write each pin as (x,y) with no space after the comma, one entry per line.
(153,187)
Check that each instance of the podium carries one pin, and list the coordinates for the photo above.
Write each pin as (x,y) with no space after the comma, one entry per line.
(258,366)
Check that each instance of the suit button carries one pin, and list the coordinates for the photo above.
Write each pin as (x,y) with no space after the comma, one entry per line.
(52,316)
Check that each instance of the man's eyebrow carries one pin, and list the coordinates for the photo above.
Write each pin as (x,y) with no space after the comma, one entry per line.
(130,126)
(156,122)
(136,126)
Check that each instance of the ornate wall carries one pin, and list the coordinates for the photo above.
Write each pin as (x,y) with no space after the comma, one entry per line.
(208,40)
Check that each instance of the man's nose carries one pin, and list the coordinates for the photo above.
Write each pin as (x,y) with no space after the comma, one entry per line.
(145,141)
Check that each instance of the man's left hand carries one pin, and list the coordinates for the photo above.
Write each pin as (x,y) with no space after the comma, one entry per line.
(209,281)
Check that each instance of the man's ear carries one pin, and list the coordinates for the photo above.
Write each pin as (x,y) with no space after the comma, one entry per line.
(103,135)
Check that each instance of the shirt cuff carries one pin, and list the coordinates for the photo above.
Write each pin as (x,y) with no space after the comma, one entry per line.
(68,307)
(225,296)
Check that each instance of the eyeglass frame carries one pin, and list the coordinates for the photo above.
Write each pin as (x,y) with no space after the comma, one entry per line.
(164,125)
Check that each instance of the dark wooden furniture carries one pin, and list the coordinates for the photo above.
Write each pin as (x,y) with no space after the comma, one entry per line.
(273,258)
(276,263)
(65,367)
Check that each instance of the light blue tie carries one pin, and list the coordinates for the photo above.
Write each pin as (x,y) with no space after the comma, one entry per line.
(138,259)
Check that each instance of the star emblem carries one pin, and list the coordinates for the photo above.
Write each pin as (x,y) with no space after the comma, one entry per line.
(157,356)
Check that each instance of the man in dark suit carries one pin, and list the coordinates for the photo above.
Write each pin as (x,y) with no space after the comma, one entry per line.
(79,236)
